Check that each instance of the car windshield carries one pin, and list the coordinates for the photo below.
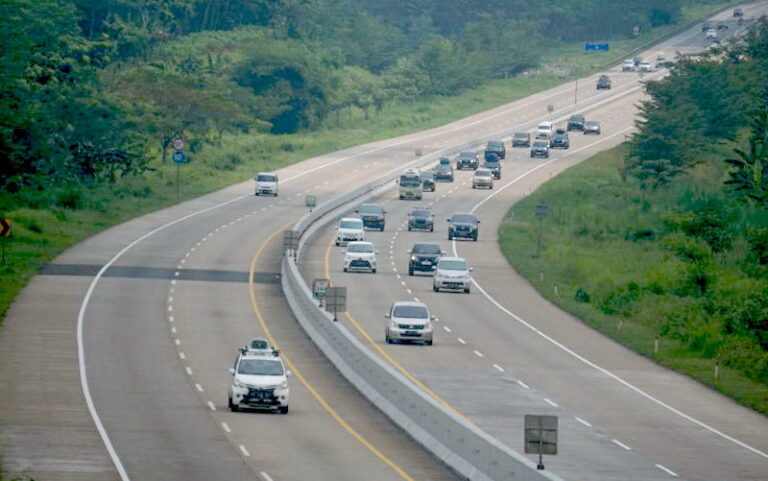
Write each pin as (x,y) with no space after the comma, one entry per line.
(370,209)
(443,167)
(592,123)
(452,266)
(494,145)
(410,312)
(364,248)
(351,224)
(428,175)
(421,213)
(410,180)
(445,161)
(521,135)
(483,173)
(540,144)
(466,155)
(260,367)
(576,118)
(266,178)
(426,249)
(463,219)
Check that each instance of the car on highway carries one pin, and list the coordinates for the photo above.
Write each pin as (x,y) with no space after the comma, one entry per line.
(467,160)
(645,66)
(575,122)
(738,12)
(463,225)
(444,171)
(545,130)
(350,230)
(628,65)
(560,140)
(495,147)
(266,183)
(482,177)
(592,127)
(493,164)
(373,216)
(428,181)
(421,218)
(259,379)
(452,273)
(521,139)
(423,257)
(360,256)
(661,62)
(711,34)
(408,321)
(603,82)
(540,148)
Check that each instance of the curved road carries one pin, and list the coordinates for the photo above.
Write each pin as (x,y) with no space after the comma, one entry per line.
(163,302)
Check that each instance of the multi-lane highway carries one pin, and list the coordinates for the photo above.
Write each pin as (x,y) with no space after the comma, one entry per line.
(133,330)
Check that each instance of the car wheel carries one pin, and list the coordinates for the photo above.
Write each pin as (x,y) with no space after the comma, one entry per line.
(473,186)
(474,238)
(450,237)
(283,409)
(232,406)
(490,186)
(345,269)
(256,194)
(337,243)
(432,229)
(410,272)
(410,228)
(387,338)
(435,288)
(373,271)
(428,343)
(466,290)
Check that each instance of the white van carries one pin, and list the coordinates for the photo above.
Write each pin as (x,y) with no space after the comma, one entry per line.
(545,130)
(266,183)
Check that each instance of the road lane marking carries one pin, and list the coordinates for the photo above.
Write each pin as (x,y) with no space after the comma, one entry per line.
(244,451)
(461,340)
(226,427)
(211,406)
(479,354)
(170,318)
(621,445)
(189,370)
(198,387)
(550,402)
(299,375)
(447,329)
(182,356)
(265,476)
(173,330)
(498,368)
(585,423)
(523,384)
(667,470)
(177,341)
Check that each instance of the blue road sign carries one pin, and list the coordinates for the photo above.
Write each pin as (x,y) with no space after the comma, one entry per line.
(179,157)
(597,47)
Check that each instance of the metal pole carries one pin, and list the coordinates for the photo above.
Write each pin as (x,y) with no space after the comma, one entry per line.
(178,189)
(538,242)
(541,447)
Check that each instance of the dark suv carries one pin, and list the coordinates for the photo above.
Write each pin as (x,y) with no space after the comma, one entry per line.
(463,226)
(521,139)
(495,147)
(540,148)
(493,164)
(444,171)
(423,257)
(560,140)
(603,82)
(467,160)
(421,218)
(576,122)
(428,181)
(372,216)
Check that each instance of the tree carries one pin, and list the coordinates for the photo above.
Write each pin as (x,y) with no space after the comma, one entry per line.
(749,169)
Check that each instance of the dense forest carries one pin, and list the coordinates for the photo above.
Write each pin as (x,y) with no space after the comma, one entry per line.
(91,89)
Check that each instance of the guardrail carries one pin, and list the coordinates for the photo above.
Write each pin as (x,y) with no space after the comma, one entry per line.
(465,448)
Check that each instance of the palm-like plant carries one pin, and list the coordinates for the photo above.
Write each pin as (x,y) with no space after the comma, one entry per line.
(749,170)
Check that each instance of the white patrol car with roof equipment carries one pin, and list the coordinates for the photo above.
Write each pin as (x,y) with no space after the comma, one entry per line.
(259,379)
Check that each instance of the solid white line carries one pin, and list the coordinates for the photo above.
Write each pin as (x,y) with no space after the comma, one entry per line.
(265,476)
(523,384)
(666,470)
(585,423)
(226,427)
(211,406)
(479,354)
(498,368)
(198,387)
(462,341)
(620,444)
(244,451)
(550,402)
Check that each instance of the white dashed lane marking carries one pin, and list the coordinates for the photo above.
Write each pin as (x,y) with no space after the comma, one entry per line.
(244,451)
(198,387)
(189,370)
(211,406)
(226,427)
(523,384)
(667,470)
(585,423)
(461,340)
(550,402)
(621,445)
(498,368)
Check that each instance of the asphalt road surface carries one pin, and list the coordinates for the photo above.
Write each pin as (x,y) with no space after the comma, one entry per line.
(148,316)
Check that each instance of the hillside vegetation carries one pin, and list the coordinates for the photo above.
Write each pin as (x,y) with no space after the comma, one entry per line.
(663,242)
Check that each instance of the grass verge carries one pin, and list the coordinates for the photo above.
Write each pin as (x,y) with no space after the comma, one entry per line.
(604,259)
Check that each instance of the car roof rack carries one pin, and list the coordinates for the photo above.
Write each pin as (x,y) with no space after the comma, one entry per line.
(259,346)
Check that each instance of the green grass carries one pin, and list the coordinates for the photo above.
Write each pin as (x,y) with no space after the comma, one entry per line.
(588,247)
(42,232)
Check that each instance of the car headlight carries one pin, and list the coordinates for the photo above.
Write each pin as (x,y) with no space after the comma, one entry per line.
(283,385)
(428,326)
(392,325)
(238,384)
(414,259)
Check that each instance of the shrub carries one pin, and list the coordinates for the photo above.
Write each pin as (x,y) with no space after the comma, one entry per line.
(686,248)
(582,295)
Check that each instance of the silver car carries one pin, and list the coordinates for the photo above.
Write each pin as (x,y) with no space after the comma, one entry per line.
(408,321)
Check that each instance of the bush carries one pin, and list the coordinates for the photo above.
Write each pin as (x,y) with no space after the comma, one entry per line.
(686,248)
(70,199)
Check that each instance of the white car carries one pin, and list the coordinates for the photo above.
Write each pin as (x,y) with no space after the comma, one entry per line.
(350,229)
(545,130)
(408,321)
(710,33)
(482,178)
(360,256)
(628,65)
(452,273)
(645,66)
(259,379)
(266,183)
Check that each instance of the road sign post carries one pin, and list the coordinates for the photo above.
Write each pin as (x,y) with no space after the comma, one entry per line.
(550,109)
(290,242)
(5,232)
(310,201)
(336,301)
(320,289)
(542,212)
(540,436)
(179,157)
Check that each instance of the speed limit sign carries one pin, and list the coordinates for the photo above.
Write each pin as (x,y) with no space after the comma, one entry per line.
(178,144)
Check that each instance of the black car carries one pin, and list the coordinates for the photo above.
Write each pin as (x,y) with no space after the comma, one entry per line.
(540,148)
(372,216)
(444,172)
(576,122)
(521,139)
(493,164)
(467,160)
(463,226)
(428,181)
(604,82)
(560,140)
(495,147)
(421,218)
(423,257)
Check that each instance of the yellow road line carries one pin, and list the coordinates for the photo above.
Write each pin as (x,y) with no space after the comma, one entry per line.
(297,373)
(381,350)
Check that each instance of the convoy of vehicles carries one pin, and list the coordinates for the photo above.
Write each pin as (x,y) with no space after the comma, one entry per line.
(259,379)
(493,164)
(560,140)
(428,181)
(545,130)
(410,185)
(575,122)
(444,171)
(266,183)
(540,148)
(495,147)
(521,139)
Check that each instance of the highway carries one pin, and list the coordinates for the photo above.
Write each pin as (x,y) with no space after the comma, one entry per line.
(149,314)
